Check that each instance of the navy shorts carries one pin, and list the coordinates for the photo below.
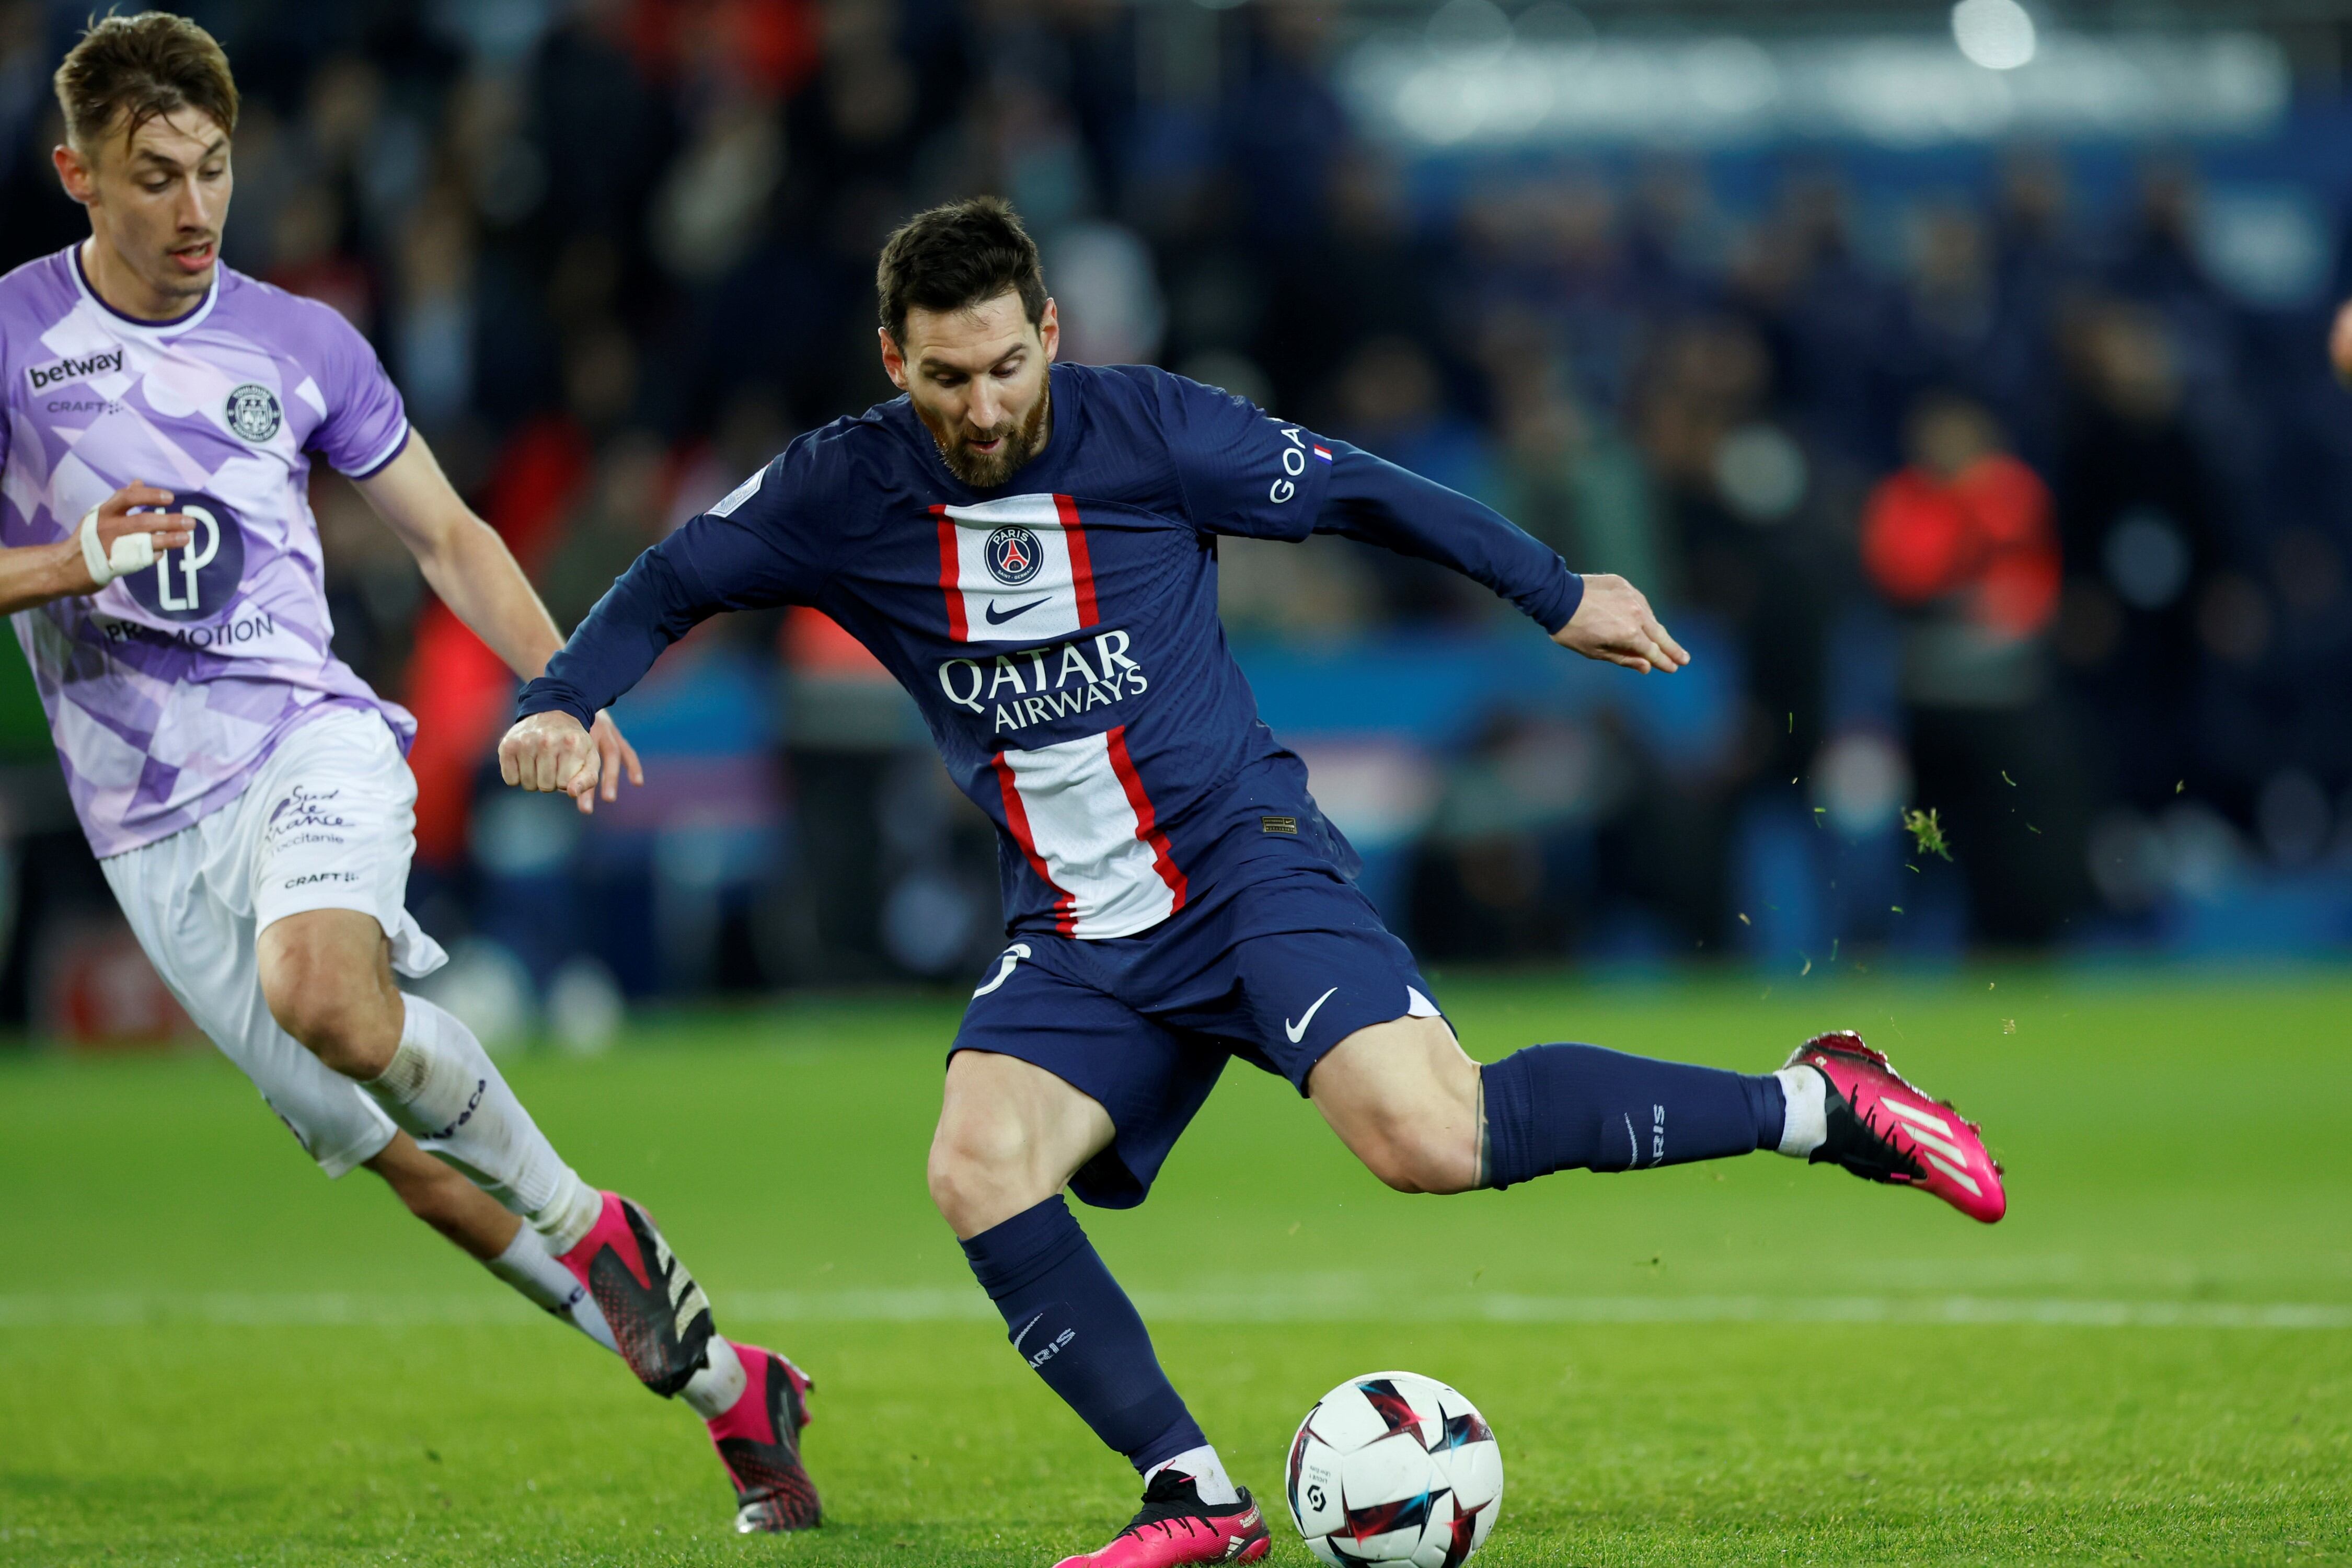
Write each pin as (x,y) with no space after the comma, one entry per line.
(1276,972)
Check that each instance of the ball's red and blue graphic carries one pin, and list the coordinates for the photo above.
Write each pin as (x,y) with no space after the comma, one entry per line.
(1396,1470)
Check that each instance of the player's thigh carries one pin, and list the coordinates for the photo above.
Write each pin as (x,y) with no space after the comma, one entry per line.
(331,826)
(1054,1081)
(204,951)
(1403,1096)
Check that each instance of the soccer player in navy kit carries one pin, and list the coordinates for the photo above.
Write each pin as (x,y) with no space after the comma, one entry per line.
(1031,549)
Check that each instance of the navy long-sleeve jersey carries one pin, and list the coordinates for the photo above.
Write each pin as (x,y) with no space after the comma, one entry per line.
(1060,634)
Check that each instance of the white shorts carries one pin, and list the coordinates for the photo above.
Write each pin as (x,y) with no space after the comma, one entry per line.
(329,822)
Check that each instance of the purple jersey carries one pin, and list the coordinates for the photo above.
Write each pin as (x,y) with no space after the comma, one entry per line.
(167,689)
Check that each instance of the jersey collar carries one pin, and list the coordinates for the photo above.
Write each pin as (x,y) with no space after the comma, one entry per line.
(177,325)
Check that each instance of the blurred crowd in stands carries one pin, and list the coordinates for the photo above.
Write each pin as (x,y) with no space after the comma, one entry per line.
(1990,501)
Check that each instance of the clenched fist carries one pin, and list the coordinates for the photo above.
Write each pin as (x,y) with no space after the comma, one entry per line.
(550,753)
(1615,623)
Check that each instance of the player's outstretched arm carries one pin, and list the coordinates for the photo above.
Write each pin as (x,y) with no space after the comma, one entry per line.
(111,542)
(1614,622)
(469,566)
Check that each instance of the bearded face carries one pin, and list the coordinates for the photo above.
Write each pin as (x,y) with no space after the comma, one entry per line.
(987,458)
(979,378)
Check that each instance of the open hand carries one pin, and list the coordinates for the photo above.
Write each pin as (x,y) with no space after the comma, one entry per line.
(614,756)
(1614,622)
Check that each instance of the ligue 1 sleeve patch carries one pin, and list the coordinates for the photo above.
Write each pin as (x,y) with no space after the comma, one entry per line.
(253,413)
(740,494)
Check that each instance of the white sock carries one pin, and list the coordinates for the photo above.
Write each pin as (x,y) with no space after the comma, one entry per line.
(1207,1471)
(1807,1126)
(534,1273)
(443,1090)
(713,1390)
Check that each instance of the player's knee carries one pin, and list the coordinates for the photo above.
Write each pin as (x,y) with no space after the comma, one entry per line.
(345,1025)
(975,1171)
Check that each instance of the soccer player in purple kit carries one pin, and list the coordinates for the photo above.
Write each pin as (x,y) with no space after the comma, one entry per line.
(245,792)
(1031,549)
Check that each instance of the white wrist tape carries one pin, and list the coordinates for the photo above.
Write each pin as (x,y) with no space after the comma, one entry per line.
(131,551)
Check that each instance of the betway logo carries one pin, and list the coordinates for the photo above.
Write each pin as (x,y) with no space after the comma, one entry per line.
(44,376)
(1043,683)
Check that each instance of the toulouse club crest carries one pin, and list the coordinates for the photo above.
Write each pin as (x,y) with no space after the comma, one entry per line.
(199,580)
(1015,555)
(253,413)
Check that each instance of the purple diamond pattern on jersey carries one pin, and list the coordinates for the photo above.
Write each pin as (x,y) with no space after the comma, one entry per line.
(167,689)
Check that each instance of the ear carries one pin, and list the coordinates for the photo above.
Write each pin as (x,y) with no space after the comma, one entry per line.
(1049,332)
(73,174)
(894,363)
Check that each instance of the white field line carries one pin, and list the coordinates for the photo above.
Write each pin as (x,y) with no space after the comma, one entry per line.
(486,1305)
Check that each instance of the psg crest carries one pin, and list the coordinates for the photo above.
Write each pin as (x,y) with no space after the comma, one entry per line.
(1015,555)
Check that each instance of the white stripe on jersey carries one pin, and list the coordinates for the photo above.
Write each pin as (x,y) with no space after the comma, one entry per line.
(1049,596)
(1083,824)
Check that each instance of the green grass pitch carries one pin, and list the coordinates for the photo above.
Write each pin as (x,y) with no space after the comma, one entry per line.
(210,1355)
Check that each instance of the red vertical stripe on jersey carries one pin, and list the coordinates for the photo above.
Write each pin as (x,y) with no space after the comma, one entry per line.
(1147,820)
(1082,566)
(951,576)
(1017,817)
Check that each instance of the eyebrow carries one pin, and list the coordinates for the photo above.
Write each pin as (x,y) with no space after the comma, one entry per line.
(928,362)
(148,154)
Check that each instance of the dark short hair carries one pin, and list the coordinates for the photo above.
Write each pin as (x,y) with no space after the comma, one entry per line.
(128,70)
(955,257)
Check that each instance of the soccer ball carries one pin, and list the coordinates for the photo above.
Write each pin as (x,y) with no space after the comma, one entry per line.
(1394,1469)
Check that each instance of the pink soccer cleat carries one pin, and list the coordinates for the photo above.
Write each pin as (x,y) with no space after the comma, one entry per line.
(1883,1130)
(660,1318)
(758,1440)
(1176,1527)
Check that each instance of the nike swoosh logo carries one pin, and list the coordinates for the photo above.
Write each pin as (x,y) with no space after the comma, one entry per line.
(994,619)
(1298,1031)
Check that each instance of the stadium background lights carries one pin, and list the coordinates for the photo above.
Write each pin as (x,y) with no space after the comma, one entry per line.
(1475,75)
(1995,34)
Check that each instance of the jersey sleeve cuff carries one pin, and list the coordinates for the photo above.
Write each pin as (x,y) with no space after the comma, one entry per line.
(545,696)
(1559,605)
(382,460)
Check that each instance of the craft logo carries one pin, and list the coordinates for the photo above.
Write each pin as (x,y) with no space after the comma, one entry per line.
(197,581)
(44,376)
(252,412)
(1015,555)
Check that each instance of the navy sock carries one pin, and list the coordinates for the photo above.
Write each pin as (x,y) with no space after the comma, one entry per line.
(1070,1320)
(1560,1108)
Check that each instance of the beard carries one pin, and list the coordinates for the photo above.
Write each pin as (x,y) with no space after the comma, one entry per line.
(1023,440)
